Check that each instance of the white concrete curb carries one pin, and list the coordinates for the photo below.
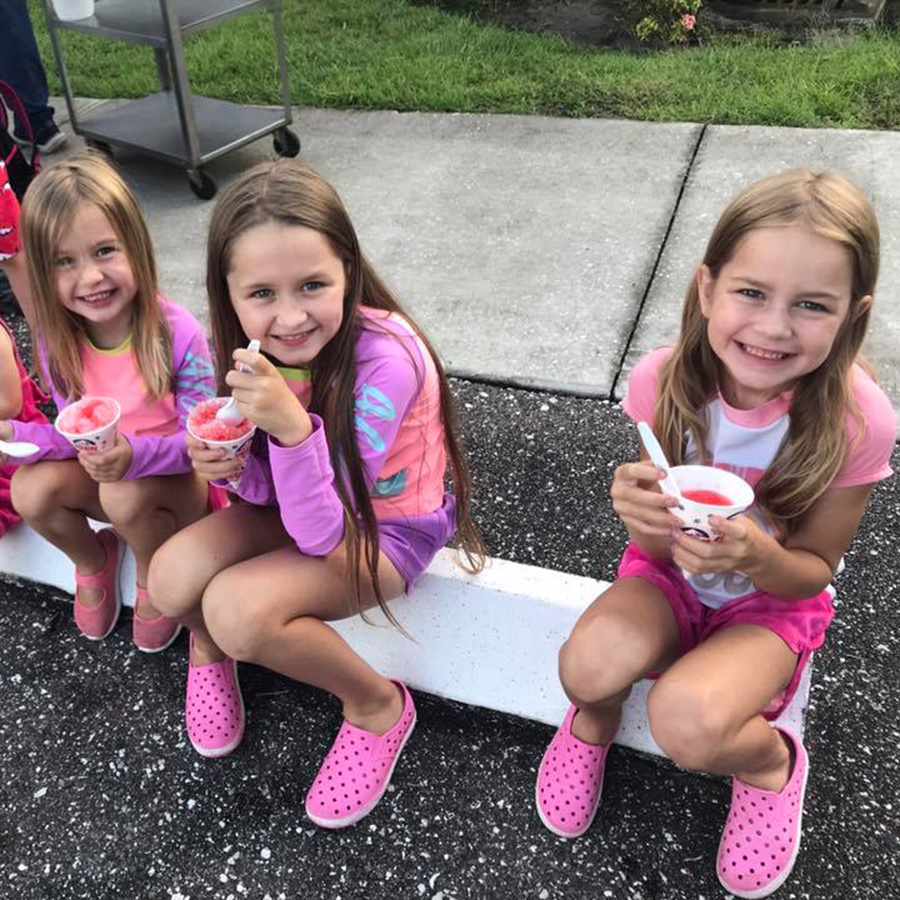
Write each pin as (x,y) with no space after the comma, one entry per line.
(490,640)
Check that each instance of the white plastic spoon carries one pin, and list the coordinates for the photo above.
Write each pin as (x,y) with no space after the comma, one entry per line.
(228,411)
(18,448)
(658,458)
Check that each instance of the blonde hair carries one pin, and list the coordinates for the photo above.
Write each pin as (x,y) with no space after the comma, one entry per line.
(50,205)
(815,445)
(290,193)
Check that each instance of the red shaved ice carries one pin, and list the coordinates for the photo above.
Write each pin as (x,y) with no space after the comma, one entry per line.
(87,415)
(204,425)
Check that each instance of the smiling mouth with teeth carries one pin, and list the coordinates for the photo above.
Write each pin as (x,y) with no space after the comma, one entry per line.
(95,298)
(759,353)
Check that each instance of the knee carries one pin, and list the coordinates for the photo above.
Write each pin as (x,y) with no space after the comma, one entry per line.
(171,580)
(33,492)
(592,671)
(237,625)
(689,721)
(123,501)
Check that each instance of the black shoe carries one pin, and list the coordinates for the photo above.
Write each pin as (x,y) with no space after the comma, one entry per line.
(48,137)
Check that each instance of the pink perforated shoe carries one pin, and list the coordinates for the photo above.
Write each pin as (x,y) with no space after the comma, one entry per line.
(357,770)
(214,709)
(96,622)
(761,838)
(570,781)
(152,635)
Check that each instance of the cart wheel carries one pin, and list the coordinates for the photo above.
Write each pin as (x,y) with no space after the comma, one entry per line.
(101,147)
(201,184)
(286,142)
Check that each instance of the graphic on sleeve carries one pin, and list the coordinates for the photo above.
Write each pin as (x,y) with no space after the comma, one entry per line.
(374,404)
(196,376)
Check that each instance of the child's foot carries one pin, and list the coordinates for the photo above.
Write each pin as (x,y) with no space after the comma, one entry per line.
(151,631)
(357,770)
(214,708)
(761,838)
(383,717)
(97,600)
(570,781)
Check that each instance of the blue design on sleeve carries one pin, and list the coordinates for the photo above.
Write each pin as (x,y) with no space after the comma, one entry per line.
(373,402)
(196,381)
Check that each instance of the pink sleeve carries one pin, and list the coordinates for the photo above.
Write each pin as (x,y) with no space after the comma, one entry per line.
(639,401)
(870,459)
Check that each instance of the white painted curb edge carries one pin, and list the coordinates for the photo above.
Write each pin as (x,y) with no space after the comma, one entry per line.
(489,640)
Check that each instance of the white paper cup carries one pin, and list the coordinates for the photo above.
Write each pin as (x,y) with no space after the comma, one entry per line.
(103,438)
(239,448)
(73,10)
(694,514)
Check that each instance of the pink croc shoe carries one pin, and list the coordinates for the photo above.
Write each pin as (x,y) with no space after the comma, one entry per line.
(214,709)
(357,770)
(152,635)
(96,622)
(761,839)
(570,781)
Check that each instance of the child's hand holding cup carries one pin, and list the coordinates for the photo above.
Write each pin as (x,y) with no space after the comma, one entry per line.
(707,491)
(234,438)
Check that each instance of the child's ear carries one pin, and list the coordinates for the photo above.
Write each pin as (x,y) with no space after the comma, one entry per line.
(704,288)
(863,305)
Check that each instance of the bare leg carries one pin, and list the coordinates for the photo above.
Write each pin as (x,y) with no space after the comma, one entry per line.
(705,710)
(56,498)
(284,628)
(148,511)
(628,631)
(183,566)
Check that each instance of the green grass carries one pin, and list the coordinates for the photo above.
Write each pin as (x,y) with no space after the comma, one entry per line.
(386,54)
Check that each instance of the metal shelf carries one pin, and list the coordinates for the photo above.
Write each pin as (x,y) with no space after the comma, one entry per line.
(174,125)
(141,21)
(150,125)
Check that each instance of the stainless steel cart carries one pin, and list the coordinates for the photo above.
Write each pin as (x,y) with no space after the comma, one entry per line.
(175,125)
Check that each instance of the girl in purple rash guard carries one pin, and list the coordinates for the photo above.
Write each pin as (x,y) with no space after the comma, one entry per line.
(342,497)
(100,328)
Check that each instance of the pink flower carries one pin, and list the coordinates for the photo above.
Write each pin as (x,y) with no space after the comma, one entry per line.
(688,21)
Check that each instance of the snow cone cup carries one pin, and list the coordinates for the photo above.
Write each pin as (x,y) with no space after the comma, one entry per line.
(707,491)
(91,424)
(234,438)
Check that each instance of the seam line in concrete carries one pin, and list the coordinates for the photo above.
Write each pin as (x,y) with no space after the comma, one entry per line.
(662,247)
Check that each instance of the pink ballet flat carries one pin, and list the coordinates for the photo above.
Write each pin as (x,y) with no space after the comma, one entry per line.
(214,709)
(570,781)
(357,770)
(152,635)
(761,838)
(96,622)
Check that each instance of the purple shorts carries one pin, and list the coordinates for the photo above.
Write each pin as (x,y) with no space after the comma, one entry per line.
(801,624)
(410,544)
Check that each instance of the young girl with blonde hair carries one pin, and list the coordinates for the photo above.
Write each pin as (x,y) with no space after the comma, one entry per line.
(765,381)
(101,328)
(344,496)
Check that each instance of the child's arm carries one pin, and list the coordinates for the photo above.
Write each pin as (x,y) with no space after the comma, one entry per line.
(194,380)
(803,566)
(10,380)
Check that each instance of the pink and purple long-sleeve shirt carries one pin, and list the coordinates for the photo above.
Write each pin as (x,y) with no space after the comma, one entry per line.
(400,436)
(154,428)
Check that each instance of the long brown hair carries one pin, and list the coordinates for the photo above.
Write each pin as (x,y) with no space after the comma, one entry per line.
(816,443)
(290,193)
(50,204)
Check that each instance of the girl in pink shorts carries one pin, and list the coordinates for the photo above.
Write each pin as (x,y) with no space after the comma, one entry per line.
(765,381)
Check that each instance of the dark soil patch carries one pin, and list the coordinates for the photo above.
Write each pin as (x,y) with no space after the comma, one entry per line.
(603,23)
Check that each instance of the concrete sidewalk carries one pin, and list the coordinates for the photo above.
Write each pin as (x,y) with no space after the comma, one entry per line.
(537,252)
